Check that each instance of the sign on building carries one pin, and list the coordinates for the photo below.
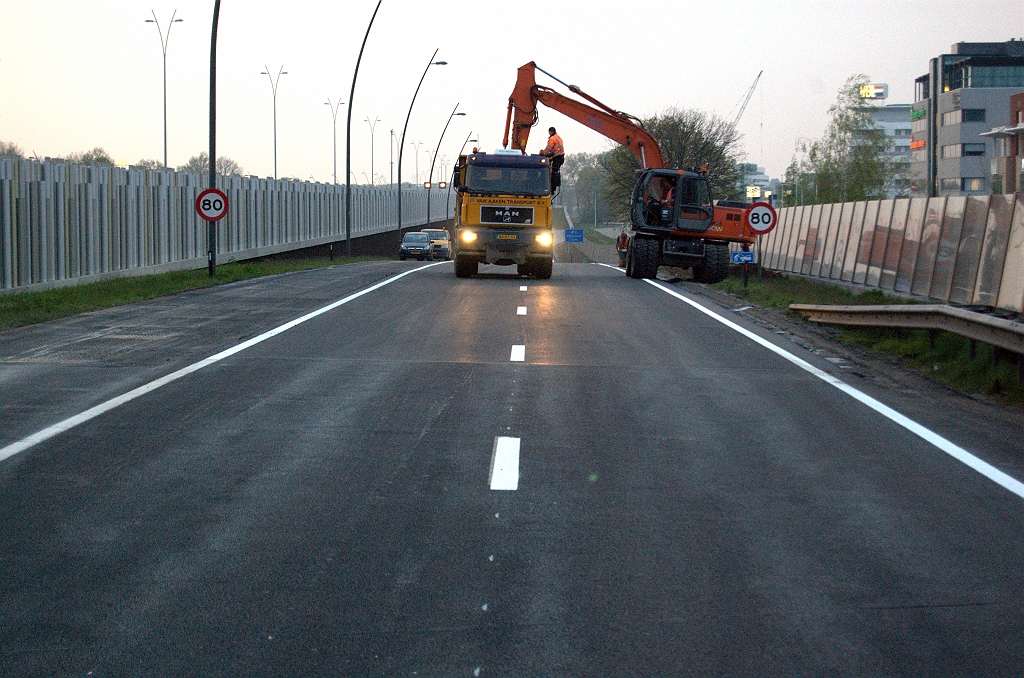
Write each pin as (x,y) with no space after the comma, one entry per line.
(874,91)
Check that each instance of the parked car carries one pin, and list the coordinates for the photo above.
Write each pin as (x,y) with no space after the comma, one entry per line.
(415,245)
(440,242)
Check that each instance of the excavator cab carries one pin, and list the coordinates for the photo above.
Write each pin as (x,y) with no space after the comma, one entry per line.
(672,200)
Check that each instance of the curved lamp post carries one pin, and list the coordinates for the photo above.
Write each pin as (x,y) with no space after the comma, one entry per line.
(164,39)
(273,89)
(430,177)
(401,145)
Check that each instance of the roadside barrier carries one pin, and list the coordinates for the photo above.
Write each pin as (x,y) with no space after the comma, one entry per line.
(966,250)
(68,224)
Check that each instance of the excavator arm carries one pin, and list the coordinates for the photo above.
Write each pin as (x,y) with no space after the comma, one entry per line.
(616,125)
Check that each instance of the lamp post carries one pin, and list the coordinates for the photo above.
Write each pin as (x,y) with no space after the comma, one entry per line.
(448,199)
(372,126)
(430,178)
(273,90)
(417,145)
(164,39)
(401,144)
(334,114)
(391,149)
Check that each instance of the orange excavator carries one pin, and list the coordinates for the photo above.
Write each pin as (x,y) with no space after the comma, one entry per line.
(674,219)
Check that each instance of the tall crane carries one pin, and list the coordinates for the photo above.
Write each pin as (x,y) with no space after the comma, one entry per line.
(746,100)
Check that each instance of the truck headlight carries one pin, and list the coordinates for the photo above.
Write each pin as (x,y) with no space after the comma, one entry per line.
(545,238)
(468,236)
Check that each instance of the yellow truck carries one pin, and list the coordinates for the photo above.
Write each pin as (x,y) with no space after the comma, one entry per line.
(503,213)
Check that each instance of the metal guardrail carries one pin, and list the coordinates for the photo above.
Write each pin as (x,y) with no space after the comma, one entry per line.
(1000,332)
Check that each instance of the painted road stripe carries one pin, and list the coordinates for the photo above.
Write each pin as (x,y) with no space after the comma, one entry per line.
(522,288)
(521,310)
(505,463)
(518,353)
(947,446)
(93,412)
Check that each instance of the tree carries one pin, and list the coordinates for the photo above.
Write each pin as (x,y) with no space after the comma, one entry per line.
(150,164)
(852,161)
(687,138)
(96,156)
(11,148)
(584,179)
(200,164)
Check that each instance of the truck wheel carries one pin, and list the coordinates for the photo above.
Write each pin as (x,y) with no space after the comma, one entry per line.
(464,267)
(646,256)
(542,269)
(716,264)
(524,269)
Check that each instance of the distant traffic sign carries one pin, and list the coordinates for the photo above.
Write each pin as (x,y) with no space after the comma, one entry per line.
(742,257)
(212,204)
(761,218)
(574,235)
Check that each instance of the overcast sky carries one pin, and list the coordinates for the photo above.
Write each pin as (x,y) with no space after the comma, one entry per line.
(76,75)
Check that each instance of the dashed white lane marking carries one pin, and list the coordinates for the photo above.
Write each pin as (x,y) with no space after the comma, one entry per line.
(93,412)
(505,464)
(518,353)
(947,446)
(521,310)
(522,288)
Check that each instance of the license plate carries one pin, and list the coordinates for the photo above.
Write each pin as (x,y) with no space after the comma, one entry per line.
(506,236)
(493,214)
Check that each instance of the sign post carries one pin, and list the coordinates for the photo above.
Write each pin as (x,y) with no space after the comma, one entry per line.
(212,205)
(760,219)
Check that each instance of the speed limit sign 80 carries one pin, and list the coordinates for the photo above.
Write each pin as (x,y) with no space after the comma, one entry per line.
(212,204)
(761,218)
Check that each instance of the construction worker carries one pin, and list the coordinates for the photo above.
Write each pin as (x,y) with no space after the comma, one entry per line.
(622,246)
(556,151)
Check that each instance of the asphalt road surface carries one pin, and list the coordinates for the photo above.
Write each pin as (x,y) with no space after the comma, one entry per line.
(320,503)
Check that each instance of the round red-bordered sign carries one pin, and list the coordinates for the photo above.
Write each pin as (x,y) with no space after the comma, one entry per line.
(761,218)
(212,204)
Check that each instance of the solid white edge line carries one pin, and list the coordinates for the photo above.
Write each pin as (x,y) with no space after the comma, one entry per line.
(521,310)
(93,412)
(504,474)
(518,353)
(947,446)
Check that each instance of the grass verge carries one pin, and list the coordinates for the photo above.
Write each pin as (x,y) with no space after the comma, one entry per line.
(949,361)
(27,308)
(595,236)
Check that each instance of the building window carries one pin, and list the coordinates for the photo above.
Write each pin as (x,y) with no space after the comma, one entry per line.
(1000,147)
(974,150)
(997,183)
(971,183)
(951,118)
(963,115)
(920,125)
(919,155)
(949,184)
(951,151)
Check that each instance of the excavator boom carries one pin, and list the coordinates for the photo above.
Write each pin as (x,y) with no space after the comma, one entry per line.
(618,126)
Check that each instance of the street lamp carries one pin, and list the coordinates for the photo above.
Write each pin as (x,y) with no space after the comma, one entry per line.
(448,199)
(401,145)
(334,114)
(391,148)
(434,160)
(163,47)
(372,126)
(417,145)
(273,89)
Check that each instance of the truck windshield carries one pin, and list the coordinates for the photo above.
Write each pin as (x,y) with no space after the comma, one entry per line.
(508,180)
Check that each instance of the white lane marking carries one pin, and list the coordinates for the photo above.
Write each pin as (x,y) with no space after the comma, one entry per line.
(947,446)
(522,288)
(505,464)
(518,353)
(521,310)
(93,412)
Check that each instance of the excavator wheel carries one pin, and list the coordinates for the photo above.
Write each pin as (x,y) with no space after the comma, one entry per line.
(646,253)
(716,264)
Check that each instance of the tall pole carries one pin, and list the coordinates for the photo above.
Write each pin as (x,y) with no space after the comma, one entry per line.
(448,199)
(434,159)
(273,89)
(164,40)
(372,126)
(401,143)
(391,148)
(348,141)
(334,114)
(211,227)
(416,145)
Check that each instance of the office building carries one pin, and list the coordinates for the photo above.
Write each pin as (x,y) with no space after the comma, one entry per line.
(1008,150)
(957,101)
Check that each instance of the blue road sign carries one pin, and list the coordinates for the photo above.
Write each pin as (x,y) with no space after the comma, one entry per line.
(742,257)
(574,235)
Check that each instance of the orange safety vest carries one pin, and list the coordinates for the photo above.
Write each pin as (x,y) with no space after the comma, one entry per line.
(554,146)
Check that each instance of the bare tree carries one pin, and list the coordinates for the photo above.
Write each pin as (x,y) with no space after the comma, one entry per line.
(150,164)
(200,164)
(11,148)
(96,156)
(688,138)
